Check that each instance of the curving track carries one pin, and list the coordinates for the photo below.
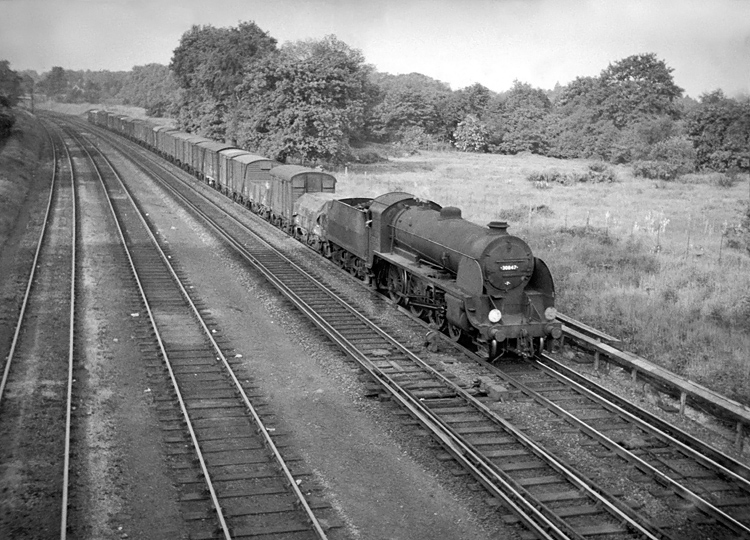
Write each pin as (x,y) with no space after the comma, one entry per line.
(476,436)
(36,389)
(242,485)
(548,496)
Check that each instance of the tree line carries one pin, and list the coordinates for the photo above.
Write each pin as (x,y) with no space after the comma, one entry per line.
(318,101)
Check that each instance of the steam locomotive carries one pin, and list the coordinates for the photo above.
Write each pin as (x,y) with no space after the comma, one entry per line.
(478,284)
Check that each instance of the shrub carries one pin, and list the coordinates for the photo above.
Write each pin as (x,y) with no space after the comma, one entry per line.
(365,157)
(597,172)
(656,169)
(471,135)
(725,180)
(550,177)
(600,172)
(677,151)
(725,160)
(411,140)
(7,120)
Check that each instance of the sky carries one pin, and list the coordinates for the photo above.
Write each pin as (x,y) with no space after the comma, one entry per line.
(460,42)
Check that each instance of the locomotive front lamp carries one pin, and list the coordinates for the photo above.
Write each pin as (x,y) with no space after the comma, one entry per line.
(550,313)
(494,316)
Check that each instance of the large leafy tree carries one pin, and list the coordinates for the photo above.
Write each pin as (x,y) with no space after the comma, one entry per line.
(409,103)
(10,85)
(10,91)
(636,87)
(209,64)
(620,115)
(524,115)
(720,130)
(466,106)
(55,82)
(577,126)
(152,87)
(304,103)
(471,135)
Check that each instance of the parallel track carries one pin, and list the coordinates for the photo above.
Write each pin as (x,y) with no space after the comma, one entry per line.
(679,466)
(229,439)
(36,390)
(555,503)
(449,408)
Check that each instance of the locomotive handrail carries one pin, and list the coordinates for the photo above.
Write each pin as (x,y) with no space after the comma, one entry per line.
(392,226)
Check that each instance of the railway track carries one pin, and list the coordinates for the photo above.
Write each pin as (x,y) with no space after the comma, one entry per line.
(691,483)
(551,499)
(242,485)
(36,389)
(495,451)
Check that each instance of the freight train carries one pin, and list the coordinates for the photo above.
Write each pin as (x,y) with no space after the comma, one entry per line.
(478,284)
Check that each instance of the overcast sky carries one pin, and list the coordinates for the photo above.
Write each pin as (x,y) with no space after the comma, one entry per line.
(461,42)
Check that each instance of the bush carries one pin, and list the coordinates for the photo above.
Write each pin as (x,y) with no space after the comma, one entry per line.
(726,180)
(471,135)
(7,121)
(550,177)
(411,140)
(656,169)
(678,151)
(726,160)
(596,173)
(599,172)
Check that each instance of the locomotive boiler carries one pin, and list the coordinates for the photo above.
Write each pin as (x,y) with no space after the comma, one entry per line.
(487,282)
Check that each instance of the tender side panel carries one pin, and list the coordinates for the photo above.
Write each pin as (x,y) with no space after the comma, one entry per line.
(347,225)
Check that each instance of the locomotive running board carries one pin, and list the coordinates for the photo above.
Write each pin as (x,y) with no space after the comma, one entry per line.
(431,275)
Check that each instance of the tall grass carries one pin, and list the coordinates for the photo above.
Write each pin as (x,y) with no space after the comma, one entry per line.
(643,260)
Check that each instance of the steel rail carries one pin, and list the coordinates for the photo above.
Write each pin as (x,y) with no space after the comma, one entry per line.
(602,397)
(727,520)
(32,273)
(71,313)
(463,451)
(726,462)
(318,528)
(710,509)
(425,416)
(209,484)
(71,349)
(246,400)
(452,441)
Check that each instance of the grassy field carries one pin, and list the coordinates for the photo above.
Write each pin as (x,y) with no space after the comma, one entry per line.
(643,260)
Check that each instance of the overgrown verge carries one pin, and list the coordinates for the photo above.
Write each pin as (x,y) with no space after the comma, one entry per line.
(19,157)
(671,310)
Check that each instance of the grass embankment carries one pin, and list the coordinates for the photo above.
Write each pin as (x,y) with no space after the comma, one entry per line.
(640,259)
(19,156)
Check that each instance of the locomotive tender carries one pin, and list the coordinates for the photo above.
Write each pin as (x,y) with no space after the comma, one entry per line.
(478,284)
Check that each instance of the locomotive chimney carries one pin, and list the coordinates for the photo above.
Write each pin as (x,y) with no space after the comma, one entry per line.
(498,227)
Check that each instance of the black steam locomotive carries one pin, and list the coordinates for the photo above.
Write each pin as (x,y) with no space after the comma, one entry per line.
(477,284)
